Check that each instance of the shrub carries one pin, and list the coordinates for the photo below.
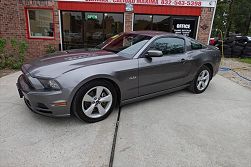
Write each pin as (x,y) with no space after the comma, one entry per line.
(50,49)
(14,57)
(2,49)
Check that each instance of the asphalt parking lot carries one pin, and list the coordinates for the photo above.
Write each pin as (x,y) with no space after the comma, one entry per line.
(179,129)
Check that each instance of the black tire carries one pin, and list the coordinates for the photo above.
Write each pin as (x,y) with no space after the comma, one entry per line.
(246,52)
(232,44)
(193,86)
(238,48)
(237,51)
(77,101)
(229,50)
(227,53)
(248,44)
(247,49)
(242,39)
(246,55)
(229,40)
(240,44)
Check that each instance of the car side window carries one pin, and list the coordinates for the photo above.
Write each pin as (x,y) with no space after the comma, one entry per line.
(169,45)
(195,45)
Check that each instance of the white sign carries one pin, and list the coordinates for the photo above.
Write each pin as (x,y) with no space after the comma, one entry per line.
(191,3)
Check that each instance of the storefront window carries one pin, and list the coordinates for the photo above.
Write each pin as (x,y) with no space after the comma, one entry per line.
(142,22)
(72,30)
(40,23)
(93,33)
(176,24)
(113,24)
(162,23)
(88,29)
(185,26)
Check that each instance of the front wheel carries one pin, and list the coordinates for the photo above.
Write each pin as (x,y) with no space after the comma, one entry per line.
(94,101)
(201,80)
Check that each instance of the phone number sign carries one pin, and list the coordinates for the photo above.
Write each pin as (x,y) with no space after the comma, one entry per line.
(193,3)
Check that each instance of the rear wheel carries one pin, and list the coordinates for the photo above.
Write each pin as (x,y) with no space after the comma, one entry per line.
(201,80)
(94,101)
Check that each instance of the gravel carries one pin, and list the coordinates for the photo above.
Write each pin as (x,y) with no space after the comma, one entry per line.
(243,69)
(4,72)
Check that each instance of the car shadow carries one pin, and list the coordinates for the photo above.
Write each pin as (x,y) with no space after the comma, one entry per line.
(180,93)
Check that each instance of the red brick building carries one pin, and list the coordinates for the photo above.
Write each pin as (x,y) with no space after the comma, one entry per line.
(68,24)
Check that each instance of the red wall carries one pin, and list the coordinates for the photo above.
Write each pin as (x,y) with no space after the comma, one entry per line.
(146,9)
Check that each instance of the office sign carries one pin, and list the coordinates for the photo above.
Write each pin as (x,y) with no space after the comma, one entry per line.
(184,27)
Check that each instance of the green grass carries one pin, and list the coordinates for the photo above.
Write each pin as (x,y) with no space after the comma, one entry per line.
(246,60)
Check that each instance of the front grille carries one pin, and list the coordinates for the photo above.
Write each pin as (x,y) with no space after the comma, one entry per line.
(44,111)
(42,106)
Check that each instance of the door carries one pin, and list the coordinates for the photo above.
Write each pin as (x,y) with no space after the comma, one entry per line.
(72,30)
(169,71)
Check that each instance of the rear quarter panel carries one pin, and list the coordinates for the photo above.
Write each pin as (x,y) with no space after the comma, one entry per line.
(201,57)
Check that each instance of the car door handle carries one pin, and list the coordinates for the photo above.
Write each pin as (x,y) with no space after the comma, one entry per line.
(183,61)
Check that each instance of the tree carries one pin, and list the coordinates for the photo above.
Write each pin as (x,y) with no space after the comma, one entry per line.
(233,16)
(241,16)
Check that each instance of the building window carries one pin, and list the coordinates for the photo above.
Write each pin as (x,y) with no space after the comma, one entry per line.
(185,25)
(89,29)
(72,30)
(142,22)
(40,23)
(162,23)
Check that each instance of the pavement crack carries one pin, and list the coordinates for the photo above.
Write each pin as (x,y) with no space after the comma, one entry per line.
(114,139)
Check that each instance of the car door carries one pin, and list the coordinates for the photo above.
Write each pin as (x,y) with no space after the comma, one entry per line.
(162,73)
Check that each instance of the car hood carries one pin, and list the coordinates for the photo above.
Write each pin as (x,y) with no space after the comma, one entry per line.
(53,65)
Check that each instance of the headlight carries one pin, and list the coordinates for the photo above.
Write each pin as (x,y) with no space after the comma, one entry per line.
(49,84)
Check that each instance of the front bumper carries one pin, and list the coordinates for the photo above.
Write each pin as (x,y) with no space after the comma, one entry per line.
(42,101)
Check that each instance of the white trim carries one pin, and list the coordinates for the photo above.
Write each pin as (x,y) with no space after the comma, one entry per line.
(60,31)
(212,22)
(29,27)
(132,21)
(124,21)
(198,26)
(42,37)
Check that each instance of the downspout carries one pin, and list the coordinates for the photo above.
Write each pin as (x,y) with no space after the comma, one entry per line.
(212,22)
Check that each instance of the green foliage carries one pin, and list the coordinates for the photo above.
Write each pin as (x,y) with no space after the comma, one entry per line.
(246,60)
(241,16)
(2,45)
(14,56)
(233,16)
(50,49)
(220,19)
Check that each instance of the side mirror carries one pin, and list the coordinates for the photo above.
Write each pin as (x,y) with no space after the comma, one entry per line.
(153,53)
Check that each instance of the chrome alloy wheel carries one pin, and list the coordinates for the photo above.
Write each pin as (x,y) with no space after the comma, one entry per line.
(203,80)
(97,102)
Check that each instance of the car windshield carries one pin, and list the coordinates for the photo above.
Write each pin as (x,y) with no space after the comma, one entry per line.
(125,44)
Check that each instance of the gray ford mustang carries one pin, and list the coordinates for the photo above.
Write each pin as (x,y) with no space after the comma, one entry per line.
(126,68)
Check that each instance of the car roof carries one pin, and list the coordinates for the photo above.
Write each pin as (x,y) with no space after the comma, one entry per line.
(154,33)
